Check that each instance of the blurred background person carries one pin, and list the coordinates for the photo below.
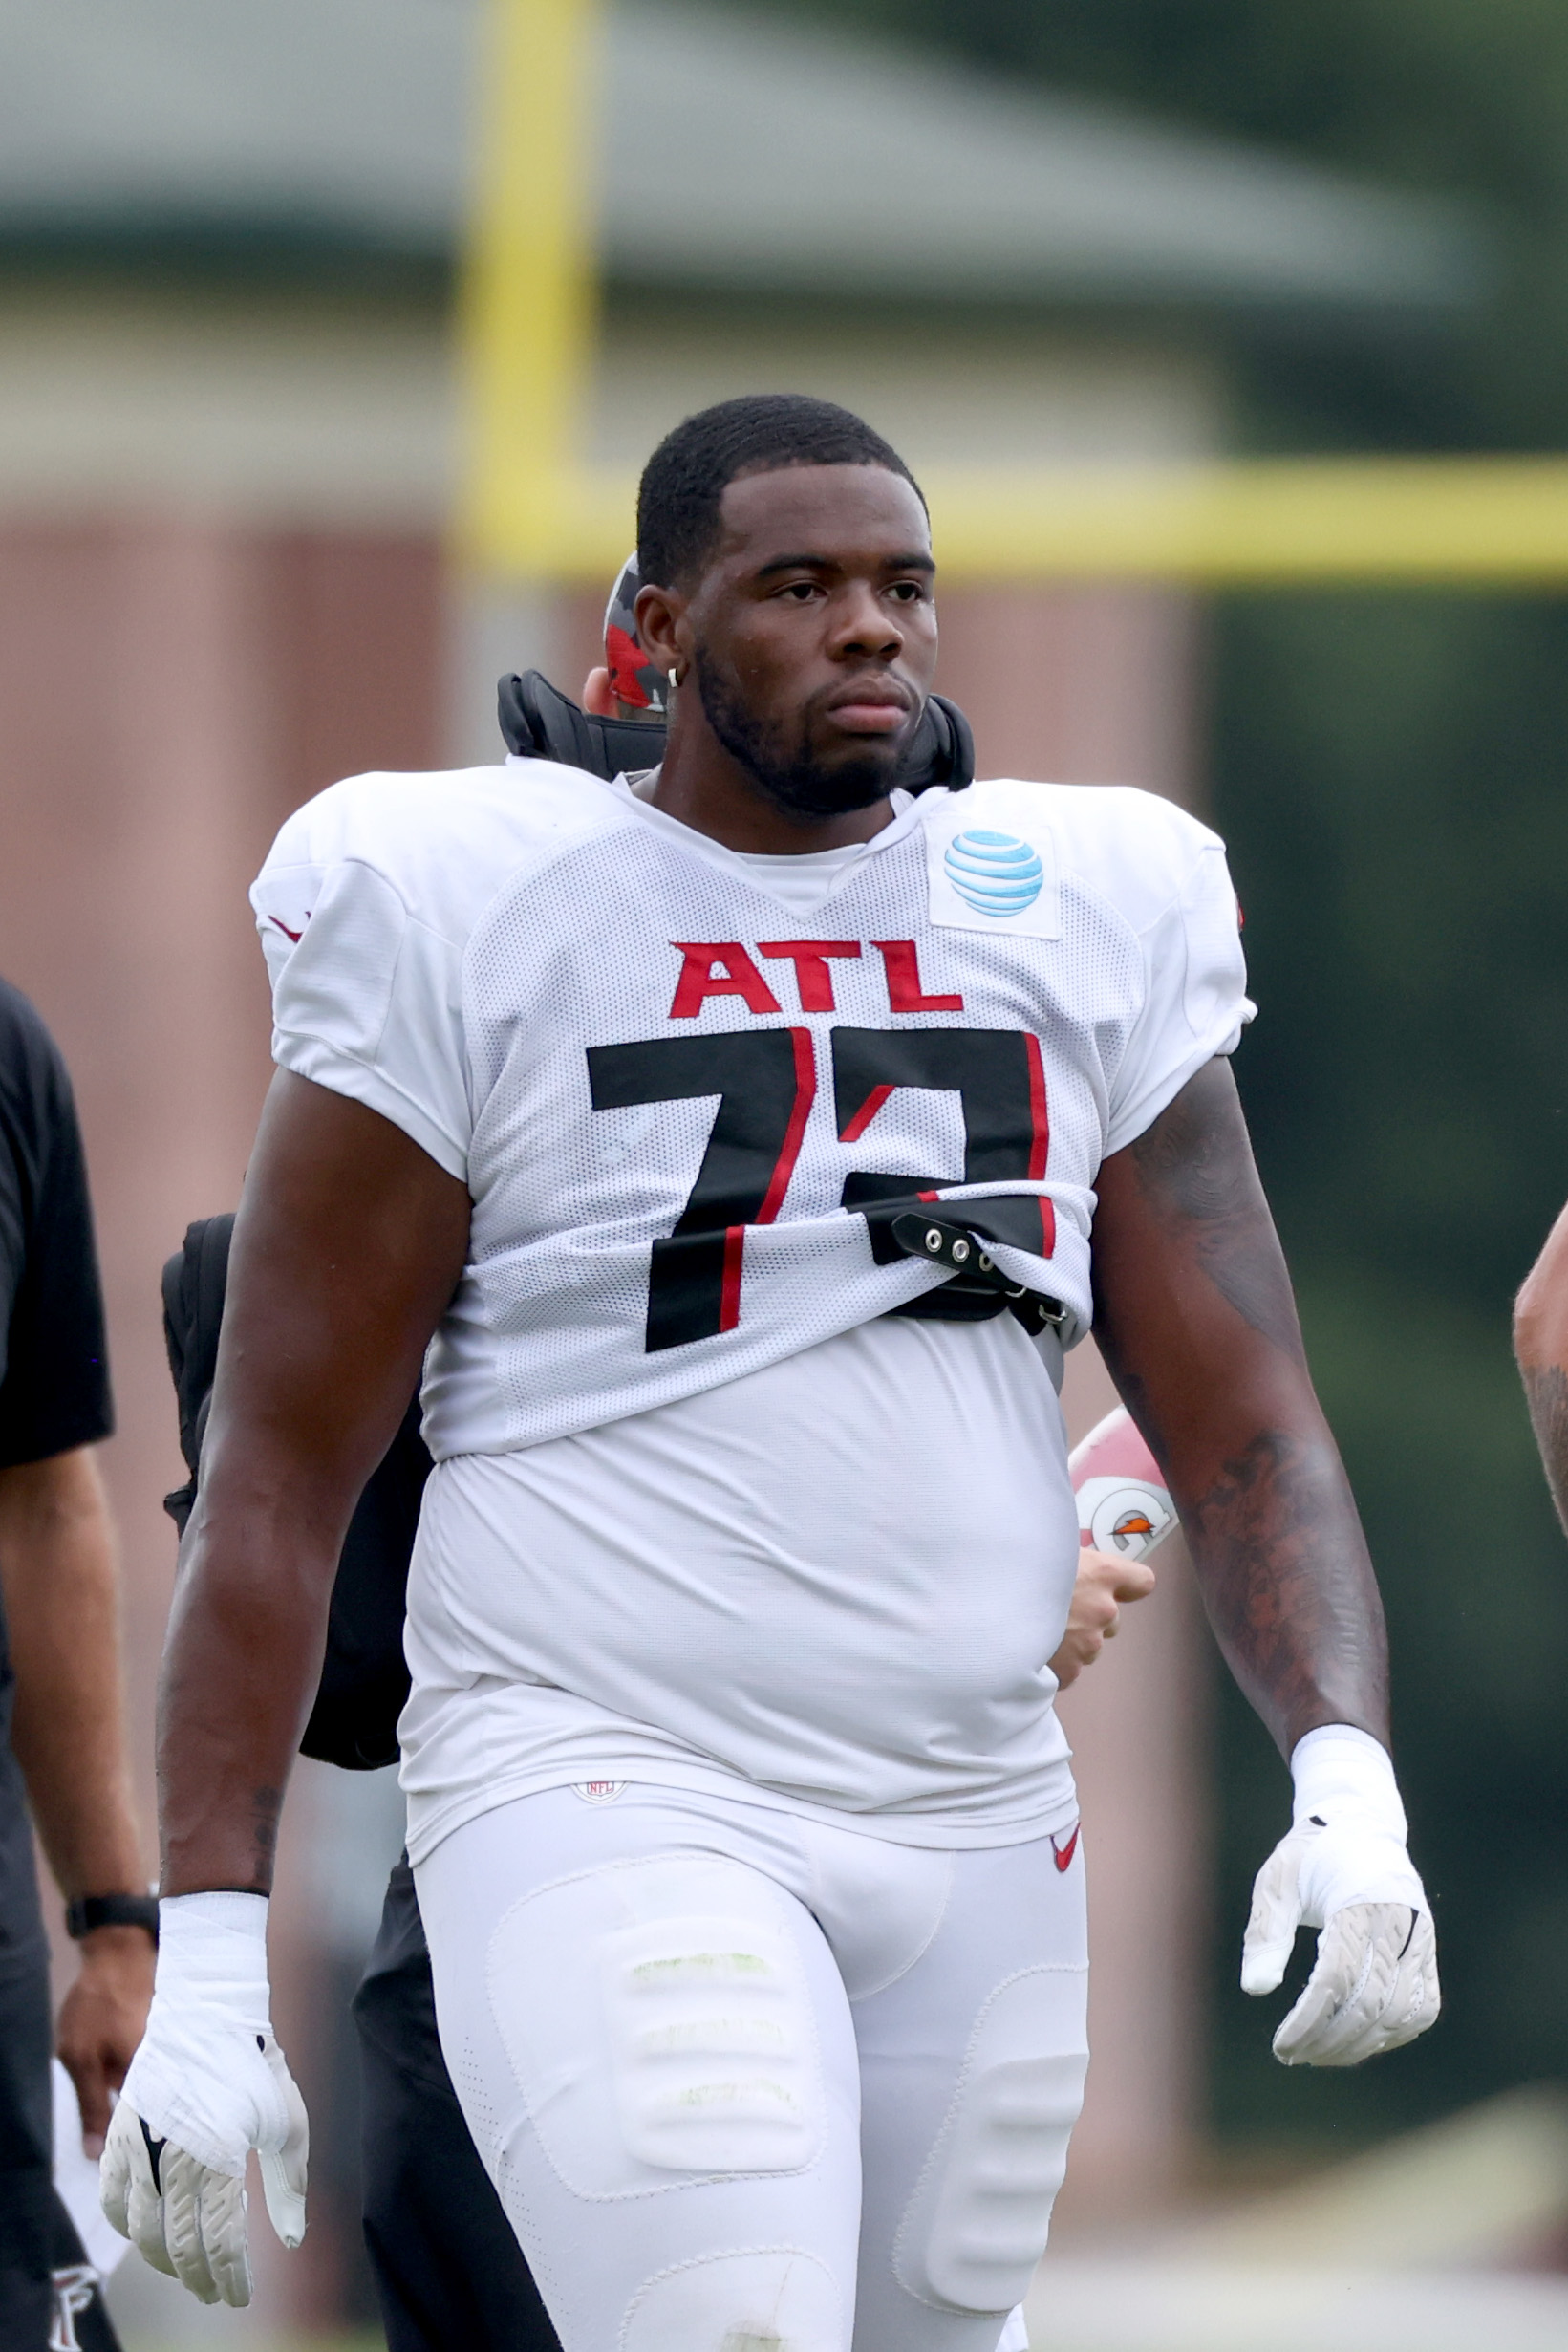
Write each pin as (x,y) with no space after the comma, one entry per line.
(1540,1346)
(62,1744)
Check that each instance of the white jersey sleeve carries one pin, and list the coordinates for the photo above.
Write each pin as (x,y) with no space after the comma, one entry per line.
(360,999)
(1196,1004)
(365,911)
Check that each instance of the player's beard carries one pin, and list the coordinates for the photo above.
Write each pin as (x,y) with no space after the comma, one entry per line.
(799,786)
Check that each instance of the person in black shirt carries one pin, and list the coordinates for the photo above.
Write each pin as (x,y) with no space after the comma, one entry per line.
(62,1756)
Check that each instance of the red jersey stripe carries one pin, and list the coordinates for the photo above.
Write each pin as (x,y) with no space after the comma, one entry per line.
(806,1089)
(729,1301)
(867,1113)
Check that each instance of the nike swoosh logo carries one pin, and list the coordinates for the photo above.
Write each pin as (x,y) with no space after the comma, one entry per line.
(155,2155)
(295,935)
(1064,1854)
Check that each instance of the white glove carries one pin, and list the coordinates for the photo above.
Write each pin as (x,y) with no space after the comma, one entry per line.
(1343,1869)
(207,2085)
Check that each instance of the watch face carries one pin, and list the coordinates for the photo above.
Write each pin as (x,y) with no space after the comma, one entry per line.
(88,1911)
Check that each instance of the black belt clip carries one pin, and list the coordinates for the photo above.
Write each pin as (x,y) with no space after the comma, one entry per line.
(974,1273)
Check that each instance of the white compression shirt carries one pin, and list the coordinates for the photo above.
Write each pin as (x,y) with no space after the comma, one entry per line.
(839,1578)
(803,883)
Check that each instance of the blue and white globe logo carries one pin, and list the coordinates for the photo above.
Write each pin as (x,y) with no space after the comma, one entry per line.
(996,873)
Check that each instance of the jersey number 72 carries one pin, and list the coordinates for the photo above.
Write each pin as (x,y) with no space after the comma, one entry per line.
(766,1081)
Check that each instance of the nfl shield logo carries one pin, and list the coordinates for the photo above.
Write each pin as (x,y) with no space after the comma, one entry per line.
(599,1792)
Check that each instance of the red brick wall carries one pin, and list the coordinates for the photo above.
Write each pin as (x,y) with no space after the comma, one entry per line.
(169,690)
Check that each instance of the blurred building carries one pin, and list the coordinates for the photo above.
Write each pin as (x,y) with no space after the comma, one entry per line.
(226,455)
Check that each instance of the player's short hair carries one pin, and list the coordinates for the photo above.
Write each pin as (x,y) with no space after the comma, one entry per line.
(761,433)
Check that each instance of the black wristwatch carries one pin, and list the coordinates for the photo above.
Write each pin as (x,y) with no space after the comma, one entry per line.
(111,1911)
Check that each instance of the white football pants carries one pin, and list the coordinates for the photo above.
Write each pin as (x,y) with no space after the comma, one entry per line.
(746,2083)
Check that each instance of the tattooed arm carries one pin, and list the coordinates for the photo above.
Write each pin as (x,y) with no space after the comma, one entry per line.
(348,1242)
(1196,1321)
(1540,1344)
(1198,1327)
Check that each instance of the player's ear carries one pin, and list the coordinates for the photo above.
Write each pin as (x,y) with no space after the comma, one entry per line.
(660,614)
(598,695)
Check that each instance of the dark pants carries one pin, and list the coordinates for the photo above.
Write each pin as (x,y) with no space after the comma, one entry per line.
(448,2270)
(48,2296)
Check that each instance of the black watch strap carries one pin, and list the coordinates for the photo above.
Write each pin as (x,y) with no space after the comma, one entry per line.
(112,1910)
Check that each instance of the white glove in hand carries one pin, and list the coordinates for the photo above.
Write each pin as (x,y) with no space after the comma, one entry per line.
(1343,1869)
(207,2085)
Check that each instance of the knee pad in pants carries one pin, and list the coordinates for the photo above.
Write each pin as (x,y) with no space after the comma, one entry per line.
(978,2221)
(658,2022)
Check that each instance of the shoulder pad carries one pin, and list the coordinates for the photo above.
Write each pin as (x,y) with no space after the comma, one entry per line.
(540,722)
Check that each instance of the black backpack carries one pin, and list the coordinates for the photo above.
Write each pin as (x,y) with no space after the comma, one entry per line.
(364,1679)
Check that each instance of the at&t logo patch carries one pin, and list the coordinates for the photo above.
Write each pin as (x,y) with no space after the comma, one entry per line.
(996,873)
(991,879)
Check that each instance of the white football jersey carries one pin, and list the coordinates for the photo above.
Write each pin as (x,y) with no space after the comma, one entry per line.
(687,1115)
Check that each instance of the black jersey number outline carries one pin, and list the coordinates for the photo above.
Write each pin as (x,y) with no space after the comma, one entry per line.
(766,1081)
(999,1078)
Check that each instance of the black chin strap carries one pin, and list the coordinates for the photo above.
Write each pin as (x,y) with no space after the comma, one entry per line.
(541,723)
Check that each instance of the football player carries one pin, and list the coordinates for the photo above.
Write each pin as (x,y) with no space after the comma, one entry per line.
(446,2265)
(729,1141)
